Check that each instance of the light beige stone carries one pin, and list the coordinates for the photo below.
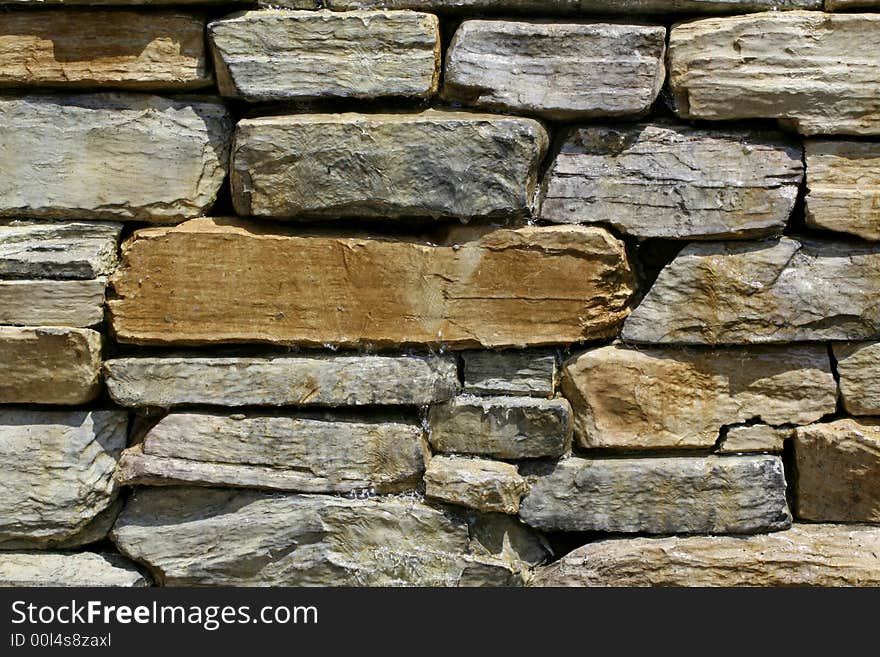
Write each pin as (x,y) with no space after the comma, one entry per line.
(838,471)
(754,438)
(489,486)
(556,70)
(506,537)
(664,179)
(111,156)
(858,366)
(775,291)
(30,569)
(844,187)
(277,54)
(659,397)
(481,286)
(49,365)
(815,71)
(805,555)
(52,303)
(390,166)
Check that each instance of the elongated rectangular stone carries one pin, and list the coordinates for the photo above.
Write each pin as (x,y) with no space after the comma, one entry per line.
(531,372)
(111,156)
(278,54)
(680,495)
(838,467)
(844,187)
(307,454)
(32,569)
(552,7)
(555,70)
(475,287)
(805,555)
(858,366)
(501,427)
(49,365)
(433,164)
(489,486)
(52,303)
(48,249)
(815,71)
(651,398)
(774,291)
(58,487)
(754,438)
(216,537)
(98,48)
(669,180)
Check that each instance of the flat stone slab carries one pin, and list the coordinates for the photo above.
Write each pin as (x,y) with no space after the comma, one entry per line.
(805,555)
(489,486)
(669,180)
(530,372)
(30,569)
(677,495)
(52,303)
(468,290)
(754,438)
(858,366)
(556,70)
(111,156)
(277,54)
(773,291)
(388,166)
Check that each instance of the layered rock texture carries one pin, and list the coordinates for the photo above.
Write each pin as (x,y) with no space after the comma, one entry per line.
(440,293)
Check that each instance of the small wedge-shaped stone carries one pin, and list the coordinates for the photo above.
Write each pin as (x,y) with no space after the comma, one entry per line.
(433,164)
(501,427)
(111,156)
(473,287)
(683,495)
(278,54)
(762,292)
(119,49)
(530,372)
(858,366)
(650,398)
(817,72)
(754,438)
(32,569)
(674,181)
(556,70)
(58,476)
(844,187)
(49,365)
(545,7)
(44,249)
(805,555)
(215,537)
(308,454)
(296,380)
(479,484)
(838,471)
(52,303)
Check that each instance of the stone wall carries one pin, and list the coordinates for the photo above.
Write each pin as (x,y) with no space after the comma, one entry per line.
(493,292)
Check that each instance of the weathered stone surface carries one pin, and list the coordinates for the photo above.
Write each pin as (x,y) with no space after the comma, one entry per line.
(120,49)
(475,287)
(531,372)
(765,292)
(670,180)
(571,6)
(858,366)
(555,70)
(52,303)
(817,72)
(68,569)
(754,438)
(838,471)
(501,427)
(433,164)
(49,365)
(683,495)
(278,54)
(479,484)
(307,454)
(805,555)
(219,537)
(831,5)
(57,475)
(844,187)
(111,156)
(651,398)
(41,249)
(295,380)
(505,537)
